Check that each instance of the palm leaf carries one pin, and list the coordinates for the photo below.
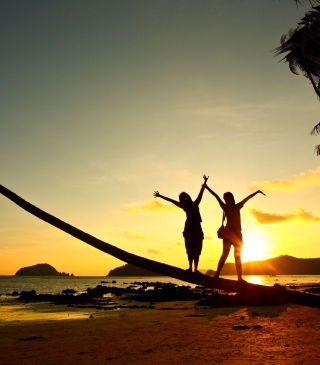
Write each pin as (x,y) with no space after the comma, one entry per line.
(311,2)
(315,130)
(302,46)
(317,150)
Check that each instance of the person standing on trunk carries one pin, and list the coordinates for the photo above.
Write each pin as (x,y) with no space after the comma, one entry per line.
(231,211)
(192,233)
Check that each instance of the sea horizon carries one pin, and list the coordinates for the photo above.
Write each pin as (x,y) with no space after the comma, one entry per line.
(56,284)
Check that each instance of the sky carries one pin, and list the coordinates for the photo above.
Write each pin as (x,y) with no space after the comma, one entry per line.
(104,102)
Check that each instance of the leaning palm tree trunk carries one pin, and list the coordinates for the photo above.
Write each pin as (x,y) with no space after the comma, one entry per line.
(122,255)
(263,292)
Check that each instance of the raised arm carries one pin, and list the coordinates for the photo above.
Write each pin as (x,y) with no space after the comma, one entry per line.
(199,197)
(221,203)
(156,194)
(251,196)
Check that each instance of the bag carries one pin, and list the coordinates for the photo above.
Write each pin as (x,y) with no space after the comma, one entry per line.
(222,230)
(225,233)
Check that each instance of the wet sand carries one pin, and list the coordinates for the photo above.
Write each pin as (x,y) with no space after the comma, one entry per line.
(171,333)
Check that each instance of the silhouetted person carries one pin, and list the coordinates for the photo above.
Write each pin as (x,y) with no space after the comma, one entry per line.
(232,213)
(192,233)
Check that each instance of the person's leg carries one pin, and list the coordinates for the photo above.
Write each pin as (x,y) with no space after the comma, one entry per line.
(196,262)
(197,251)
(237,258)
(187,244)
(190,262)
(225,254)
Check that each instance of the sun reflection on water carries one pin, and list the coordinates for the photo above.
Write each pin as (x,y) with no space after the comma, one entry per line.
(254,279)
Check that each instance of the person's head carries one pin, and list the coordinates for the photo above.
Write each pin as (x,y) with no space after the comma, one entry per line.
(184,198)
(229,198)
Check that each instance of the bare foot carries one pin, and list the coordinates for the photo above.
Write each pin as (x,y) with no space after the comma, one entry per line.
(242,281)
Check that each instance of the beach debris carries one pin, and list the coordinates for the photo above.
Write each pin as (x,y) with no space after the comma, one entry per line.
(197,315)
(241,328)
(256,326)
(246,327)
(312,290)
(68,291)
(255,314)
(30,338)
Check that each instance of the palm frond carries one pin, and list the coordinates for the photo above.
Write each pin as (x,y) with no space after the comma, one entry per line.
(315,130)
(302,46)
(311,2)
(317,150)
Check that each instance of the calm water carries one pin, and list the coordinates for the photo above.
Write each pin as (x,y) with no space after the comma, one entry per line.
(55,285)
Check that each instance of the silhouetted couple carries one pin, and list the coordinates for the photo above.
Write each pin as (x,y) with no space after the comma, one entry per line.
(193,234)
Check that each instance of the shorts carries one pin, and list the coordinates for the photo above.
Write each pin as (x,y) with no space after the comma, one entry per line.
(193,237)
(235,240)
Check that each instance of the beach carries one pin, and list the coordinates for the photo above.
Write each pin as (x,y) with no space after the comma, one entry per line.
(169,333)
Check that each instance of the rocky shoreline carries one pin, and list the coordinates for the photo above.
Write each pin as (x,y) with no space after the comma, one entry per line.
(108,297)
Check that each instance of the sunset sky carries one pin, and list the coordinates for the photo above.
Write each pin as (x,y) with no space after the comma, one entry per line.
(103,102)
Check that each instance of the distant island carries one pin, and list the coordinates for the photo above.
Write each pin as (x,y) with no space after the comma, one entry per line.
(40,270)
(131,270)
(282,265)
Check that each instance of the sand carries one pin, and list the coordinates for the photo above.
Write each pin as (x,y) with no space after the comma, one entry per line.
(172,333)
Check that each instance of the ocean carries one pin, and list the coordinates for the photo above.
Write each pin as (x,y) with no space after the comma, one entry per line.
(55,285)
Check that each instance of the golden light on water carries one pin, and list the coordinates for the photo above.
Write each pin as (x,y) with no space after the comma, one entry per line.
(254,280)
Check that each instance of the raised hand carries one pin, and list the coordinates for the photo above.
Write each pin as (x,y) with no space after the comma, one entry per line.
(156,194)
(205,178)
(259,191)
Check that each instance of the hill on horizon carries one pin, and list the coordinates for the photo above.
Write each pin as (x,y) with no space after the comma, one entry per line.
(281,265)
(39,270)
(131,270)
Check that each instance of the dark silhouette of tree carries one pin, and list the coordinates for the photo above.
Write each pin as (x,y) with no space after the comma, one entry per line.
(302,48)
(264,294)
(122,255)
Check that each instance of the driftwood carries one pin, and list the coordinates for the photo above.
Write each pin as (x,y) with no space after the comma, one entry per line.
(250,290)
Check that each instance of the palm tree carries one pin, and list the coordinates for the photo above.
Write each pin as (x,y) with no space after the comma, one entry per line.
(250,290)
(302,46)
(122,255)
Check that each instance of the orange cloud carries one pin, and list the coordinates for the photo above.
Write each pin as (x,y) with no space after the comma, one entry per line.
(273,218)
(182,174)
(153,206)
(153,251)
(312,177)
(135,237)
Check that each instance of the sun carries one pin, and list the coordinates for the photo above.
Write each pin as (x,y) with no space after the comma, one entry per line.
(254,246)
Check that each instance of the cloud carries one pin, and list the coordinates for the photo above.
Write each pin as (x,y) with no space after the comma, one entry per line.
(154,252)
(153,206)
(310,178)
(134,237)
(182,174)
(273,218)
